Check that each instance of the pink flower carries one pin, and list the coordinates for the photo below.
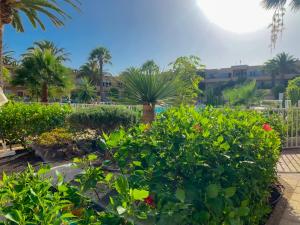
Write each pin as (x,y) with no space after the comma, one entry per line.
(267,127)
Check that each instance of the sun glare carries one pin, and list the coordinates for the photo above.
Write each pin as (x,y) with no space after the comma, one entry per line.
(239,16)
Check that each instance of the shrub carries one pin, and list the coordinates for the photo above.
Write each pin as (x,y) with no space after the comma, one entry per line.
(202,167)
(104,118)
(56,137)
(18,121)
(32,198)
(293,90)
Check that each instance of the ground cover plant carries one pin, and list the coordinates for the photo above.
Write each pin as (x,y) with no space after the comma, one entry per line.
(202,167)
(18,121)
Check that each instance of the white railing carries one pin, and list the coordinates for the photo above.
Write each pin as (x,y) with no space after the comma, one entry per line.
(291,120)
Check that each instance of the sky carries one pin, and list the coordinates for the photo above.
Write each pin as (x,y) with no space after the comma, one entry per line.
(138,30)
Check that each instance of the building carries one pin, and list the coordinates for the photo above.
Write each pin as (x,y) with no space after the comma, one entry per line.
(216,77)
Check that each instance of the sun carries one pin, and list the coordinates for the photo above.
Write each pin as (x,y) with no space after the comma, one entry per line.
(238,16)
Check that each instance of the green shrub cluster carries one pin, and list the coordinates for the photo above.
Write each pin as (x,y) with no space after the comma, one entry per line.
(202,167)
(104,118)
(18,121)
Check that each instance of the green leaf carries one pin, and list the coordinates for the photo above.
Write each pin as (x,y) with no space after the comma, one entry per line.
(212,191)
(220,139)
(243,211)
(92,157)
(121,210)
(68,215)
(229,192)
(139,194)
(180,194)
(62,188)
(43,170)
(108,177)
(137,163)
(225,146)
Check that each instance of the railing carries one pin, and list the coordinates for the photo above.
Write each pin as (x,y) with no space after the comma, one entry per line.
(291,129)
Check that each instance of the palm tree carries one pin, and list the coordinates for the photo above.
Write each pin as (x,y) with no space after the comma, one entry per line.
(90,70)
(11,10)
(273,4)
(279,7)
(282,64)
(150,67)
(60,53)
(149,89)
(39,71)
(86,92)
(102,56)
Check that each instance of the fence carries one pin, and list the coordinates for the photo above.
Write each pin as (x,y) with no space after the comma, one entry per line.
(291,128)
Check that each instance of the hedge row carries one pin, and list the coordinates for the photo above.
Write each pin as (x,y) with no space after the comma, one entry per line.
(18,121)
(103,118)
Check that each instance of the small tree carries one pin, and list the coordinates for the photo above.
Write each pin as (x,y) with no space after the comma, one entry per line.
(86,92)
(293,90)
(39,71)
(149,89)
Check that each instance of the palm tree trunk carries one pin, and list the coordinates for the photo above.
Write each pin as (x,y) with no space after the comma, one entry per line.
(148,113)
(45,92)
(1,53)
(101,82)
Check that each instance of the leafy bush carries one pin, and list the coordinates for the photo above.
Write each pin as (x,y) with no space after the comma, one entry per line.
(208,167)
(32,198)
(293,90)
(104,118)
(18,121)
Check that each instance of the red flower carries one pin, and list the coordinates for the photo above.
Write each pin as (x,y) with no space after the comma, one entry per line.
(197,127)
(149,201)
(267,127)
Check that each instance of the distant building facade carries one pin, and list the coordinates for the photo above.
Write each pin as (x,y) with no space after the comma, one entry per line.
(216,77)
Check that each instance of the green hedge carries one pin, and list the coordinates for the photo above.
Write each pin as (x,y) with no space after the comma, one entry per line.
(18,121)
(202,167)
(104,118)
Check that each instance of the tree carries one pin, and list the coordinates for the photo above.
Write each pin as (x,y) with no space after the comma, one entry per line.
(244,94)
(150,67)
(279,7)
(148,90)
(280,65)
(60,53)
(102,56)
(39,71)
(11,10)
(293,90)
(187,70)
(86,92)
(90,70)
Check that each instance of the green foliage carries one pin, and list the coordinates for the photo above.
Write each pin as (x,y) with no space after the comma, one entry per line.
(145,88)
(213,166)
(41,69)
(86,92)
(58,136)
(186,69)
(104,118)
(31,197)
(293,90)
(18,121)
(245,94)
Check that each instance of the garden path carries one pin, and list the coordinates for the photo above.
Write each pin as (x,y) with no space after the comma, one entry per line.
(289,171)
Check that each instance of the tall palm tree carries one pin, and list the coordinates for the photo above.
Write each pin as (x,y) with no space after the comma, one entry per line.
(149,89)
(39,71)
(102,56)
(273,4)
(60,53)
(11,10)
(282,64)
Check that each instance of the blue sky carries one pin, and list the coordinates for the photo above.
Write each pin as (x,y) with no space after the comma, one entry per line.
(137,30)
